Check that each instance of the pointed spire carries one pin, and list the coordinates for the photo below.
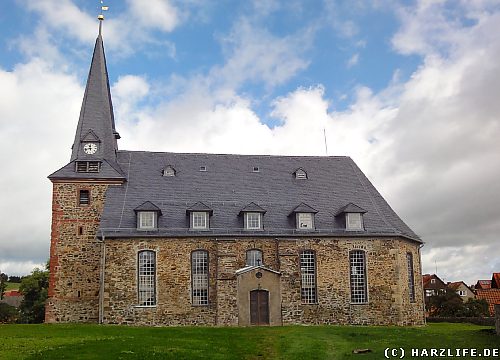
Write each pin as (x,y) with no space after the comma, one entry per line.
(96,114)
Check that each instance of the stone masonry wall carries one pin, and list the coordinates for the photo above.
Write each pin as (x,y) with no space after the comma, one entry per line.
(74,254)
(388,291)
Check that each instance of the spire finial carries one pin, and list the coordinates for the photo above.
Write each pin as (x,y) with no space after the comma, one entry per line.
(101,16)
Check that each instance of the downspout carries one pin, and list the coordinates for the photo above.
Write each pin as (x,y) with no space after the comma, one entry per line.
(101,285)
(421,283)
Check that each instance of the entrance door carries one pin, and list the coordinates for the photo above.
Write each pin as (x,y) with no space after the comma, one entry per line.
(259,307)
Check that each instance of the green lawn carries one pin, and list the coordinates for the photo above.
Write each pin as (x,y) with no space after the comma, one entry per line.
(12,286)
(289,342)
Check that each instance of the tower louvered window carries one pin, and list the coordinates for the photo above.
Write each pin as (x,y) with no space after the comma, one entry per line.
(199,277)
(147,278)
(357,261)
(88,166)
(411,279)
(308,277)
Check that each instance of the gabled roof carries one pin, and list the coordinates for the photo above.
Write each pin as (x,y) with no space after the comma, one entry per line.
(350,208)
(334,181)
(199,206)
(456,284)
(260,267)
(91,136)
(492,296)
(148,206)
(303,208)
(495,281)
(426,280)
(252,207)
(483,284)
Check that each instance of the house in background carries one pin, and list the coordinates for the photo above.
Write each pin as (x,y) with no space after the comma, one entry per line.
(432,285)
(462,290)
(483,284)
(12,298)
(492,294)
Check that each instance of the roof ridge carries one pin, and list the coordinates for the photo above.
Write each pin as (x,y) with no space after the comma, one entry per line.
(233,154)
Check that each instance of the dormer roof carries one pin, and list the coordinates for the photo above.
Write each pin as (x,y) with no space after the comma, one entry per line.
(303,208)
(350,208)
(148,206)
(199,206)
(252,207)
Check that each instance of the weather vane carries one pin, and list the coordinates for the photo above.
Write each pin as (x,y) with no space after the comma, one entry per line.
(101,15)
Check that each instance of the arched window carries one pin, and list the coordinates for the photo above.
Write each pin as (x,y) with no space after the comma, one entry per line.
(357,260)
(411,279)
(199,277)
(146,278)
(254,257)
(308,277)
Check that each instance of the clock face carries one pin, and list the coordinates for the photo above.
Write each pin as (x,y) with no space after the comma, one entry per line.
(90,148)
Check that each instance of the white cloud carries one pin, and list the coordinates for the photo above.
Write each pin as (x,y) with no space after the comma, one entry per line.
(353,60)
(160,14)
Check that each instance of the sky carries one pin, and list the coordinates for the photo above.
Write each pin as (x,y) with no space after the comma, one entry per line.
(408,89)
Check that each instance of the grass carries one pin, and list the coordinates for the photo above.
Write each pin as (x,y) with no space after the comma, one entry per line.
(12,286)
(71,341)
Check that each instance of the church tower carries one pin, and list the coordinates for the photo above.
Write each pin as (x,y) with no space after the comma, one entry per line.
(79,190)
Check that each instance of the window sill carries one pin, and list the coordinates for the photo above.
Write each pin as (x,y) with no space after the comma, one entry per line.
(363,303)
(201,305)
(147,229)
(145,306)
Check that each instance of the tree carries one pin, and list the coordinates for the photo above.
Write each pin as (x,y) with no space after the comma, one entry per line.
(34,287)
(8,313)
(3,284)
(476,308)
(445,304)
(14,279)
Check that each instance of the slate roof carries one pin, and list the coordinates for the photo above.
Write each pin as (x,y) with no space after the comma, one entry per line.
(252,207)
(148,206)
(229,184)
(351,208)
(199,206)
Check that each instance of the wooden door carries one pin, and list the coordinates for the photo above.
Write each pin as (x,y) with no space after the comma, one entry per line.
(259,307)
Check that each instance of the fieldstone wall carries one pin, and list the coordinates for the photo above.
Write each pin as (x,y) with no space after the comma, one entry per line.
(388,291)
(73,294)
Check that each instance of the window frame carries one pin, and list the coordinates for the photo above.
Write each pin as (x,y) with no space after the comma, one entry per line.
(204,299)
(153,281)
(256,251)
(462,293)
(411,277)
(141,215)
(299,223)
(205,217)
(354,287)
(348,225)
(80,191)
(247,221)
(312,297)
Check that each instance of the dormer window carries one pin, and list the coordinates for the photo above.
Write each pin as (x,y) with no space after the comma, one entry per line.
(256,169)
(147,220)
(203,168)
(199,220)
(253,221)
(300,174)
(199,216)
(304,217)
(353,217)
(253,217)
(88,166)
(354,221)
(147,216)
(169,171)
(305,221)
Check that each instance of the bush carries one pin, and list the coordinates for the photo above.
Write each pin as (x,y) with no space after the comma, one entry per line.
(34,288)
(8,314)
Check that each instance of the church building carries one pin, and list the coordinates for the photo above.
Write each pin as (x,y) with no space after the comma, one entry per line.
(161,238)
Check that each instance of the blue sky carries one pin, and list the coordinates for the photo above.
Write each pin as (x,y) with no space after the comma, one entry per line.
(406,88)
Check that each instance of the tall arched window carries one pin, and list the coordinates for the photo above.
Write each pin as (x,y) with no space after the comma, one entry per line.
(308,277)
(411,279)
(146,278)
(357,260)
(199,277)
(254,257)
